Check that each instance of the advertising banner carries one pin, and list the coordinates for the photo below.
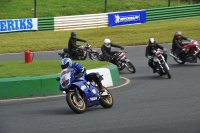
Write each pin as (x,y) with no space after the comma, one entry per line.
(24,24)
(127,18)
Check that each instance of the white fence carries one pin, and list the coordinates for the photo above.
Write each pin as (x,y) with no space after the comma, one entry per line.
(80,22)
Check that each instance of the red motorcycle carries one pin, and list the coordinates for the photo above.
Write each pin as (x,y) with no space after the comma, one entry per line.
(190,54)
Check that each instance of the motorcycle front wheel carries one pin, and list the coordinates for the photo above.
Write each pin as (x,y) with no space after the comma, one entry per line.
(106,101)
(130,67)
(78,106)
(94,56)
(167,71)
(178,60)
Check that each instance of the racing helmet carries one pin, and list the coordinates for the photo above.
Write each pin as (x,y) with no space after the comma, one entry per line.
(178,34)
(73,34)
(152,41)
(107,42)
(66,63)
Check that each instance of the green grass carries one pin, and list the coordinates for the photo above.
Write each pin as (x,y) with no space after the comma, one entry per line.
(162,31)
(10,9)
(38,68)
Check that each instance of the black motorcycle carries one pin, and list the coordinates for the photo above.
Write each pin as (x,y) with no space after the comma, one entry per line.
(120,60)
(83,52)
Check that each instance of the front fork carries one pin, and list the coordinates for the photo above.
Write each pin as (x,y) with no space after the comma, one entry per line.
(160,64)
(78,95)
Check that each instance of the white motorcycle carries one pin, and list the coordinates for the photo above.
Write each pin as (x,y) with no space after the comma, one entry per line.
(120,60)
(159,62)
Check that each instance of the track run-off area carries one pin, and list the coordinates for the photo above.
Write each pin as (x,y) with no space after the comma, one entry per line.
(143,103)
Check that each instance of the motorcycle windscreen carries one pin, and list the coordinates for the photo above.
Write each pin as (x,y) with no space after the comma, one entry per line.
(65,78)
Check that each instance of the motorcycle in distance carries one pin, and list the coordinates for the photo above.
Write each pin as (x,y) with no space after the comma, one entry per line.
(83,51)
(81,94)
(190,54)
(120,60)
(159,62)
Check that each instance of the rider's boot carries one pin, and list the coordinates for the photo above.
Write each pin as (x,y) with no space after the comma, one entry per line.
(154,70)
(101,88)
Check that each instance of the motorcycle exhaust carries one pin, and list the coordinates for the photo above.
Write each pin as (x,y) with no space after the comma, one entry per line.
(195,52)
(173,56)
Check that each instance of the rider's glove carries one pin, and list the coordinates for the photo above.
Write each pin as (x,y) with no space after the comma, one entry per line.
(112,57)
(149,57)
(58,79)
(189,39)
(165,50)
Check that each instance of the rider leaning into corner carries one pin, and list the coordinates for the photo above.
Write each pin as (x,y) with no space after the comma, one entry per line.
(106,49)
(72,43)
(177,42)
(79,71)
(149,52)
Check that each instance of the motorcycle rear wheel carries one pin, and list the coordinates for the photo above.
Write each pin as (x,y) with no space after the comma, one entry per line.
(94,56)
(106,101)
(72,101)
(178,60)
(130,67)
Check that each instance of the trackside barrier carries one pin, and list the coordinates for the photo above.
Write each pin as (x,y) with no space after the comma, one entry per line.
(174,12)
(22,87)
(46,24)
(80,22)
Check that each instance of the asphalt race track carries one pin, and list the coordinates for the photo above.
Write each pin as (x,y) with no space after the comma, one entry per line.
(148,104)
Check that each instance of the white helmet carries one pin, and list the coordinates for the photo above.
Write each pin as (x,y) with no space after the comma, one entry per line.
(107,42)
(152,41)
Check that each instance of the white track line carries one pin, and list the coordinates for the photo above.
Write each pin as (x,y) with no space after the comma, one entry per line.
(37,98)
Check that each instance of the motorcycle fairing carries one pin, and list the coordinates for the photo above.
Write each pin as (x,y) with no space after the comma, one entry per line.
(90,91)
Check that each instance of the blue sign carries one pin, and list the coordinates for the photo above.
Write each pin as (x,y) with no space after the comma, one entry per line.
(127,18)
(11,25)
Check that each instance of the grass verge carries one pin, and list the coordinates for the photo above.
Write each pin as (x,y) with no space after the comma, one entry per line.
(10,9)
(162,31)
(39,68)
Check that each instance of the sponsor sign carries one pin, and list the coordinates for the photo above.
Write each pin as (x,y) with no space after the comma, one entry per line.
(127,18)
(24,24)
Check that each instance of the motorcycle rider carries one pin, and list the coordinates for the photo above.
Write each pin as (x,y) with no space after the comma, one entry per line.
(72,43)
(106,49)
(79,71)
(177,42)
(152,45)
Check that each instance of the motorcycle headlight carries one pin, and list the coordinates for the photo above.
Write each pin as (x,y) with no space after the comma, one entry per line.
(65,83)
